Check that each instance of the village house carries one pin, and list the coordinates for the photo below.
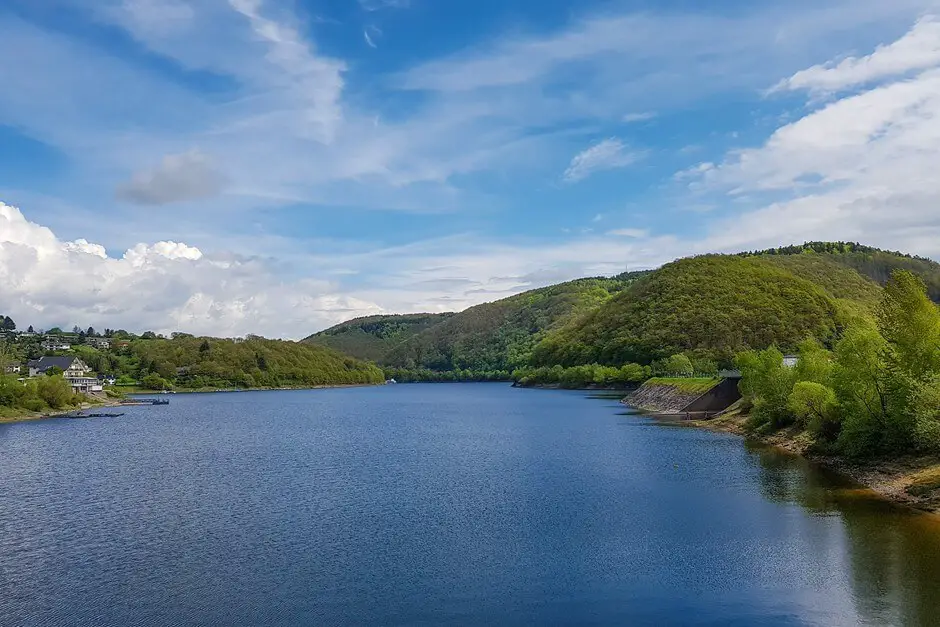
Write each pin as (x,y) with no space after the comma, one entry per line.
(101,343)
(54,344)
(12,368)
(75,371)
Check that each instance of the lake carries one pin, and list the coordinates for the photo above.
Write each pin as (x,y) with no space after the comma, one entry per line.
(464,504)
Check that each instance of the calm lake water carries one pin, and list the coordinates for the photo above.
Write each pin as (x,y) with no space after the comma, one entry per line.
(464,504)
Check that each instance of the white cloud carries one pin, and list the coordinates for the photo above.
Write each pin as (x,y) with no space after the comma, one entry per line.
(608,154)
(634,233)
(631,118)
(187,176)
(164,286)
(919,49)
(862,167)
(368,38)
(378,5)
(160,16)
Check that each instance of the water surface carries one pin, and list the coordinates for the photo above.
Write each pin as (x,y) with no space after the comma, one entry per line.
(438,504)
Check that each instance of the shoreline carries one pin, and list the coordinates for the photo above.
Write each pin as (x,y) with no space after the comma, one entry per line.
(29,416)
(889,479)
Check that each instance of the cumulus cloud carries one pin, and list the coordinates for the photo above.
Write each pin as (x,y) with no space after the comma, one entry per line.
(608,154)
(186,176)
(919,49)
(164,286)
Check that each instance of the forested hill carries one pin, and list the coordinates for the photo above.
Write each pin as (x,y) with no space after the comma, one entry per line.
(500,335)
(708,307)
(372,337)
(201,362)
(873,263)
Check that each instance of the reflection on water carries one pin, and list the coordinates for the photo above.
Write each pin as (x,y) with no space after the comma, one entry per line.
(892,551)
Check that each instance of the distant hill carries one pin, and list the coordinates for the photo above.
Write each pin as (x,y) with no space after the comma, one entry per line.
(205,362)
(372,337)
(501,335)
(708,306)
(873,263)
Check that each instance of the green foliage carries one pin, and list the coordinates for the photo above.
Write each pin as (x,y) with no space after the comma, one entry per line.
(767,383)
(816,408)
(37,394)
(576,377)
(686,385)
(372,337)
(502,334)
(55,391)
(674,366)
(197,363)
(713,305)
(877,393)
(153,381)
(878,265)
(403,375)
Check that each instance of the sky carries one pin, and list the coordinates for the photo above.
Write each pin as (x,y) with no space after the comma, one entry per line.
(274,167)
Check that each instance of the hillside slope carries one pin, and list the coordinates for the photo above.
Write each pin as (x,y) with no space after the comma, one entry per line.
(500,335)
(869,262)
(709,306)
(204,362)
(714,305)
(373,337)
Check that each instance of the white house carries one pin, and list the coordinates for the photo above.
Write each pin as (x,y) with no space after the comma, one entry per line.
(102,343)
(12,368)
(75,371)
(55,345)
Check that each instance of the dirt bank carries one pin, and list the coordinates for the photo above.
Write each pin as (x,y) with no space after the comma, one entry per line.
(912,480)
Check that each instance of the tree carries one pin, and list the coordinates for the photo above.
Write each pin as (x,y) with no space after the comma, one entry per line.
(8,324)
(767,383)
(148,335)
(54,371)
(861,385)
(55,391)
(91,332)
(816,408)
(153,381)
(204,347)
(30,329)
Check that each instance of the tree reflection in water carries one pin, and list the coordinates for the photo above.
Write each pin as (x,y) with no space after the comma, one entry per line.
(892,552)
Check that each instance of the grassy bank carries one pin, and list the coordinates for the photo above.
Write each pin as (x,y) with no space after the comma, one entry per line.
(686,385)
(12,414)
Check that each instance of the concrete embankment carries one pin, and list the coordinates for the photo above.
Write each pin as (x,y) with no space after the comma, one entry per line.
(684,396)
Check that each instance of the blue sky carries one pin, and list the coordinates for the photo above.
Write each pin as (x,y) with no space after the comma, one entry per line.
(275,167)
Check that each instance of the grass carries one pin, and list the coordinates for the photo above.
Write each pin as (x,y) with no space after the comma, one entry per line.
(686,385)
(925,482)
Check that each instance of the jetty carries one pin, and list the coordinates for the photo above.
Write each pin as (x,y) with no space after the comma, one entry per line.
(145,401)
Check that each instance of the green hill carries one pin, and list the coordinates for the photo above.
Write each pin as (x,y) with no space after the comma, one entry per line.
(372,337)
(203,362)
(715,305)
(873,263)
(499,336)
(709,306)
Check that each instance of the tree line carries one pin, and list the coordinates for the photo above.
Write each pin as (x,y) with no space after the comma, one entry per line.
(874,391)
